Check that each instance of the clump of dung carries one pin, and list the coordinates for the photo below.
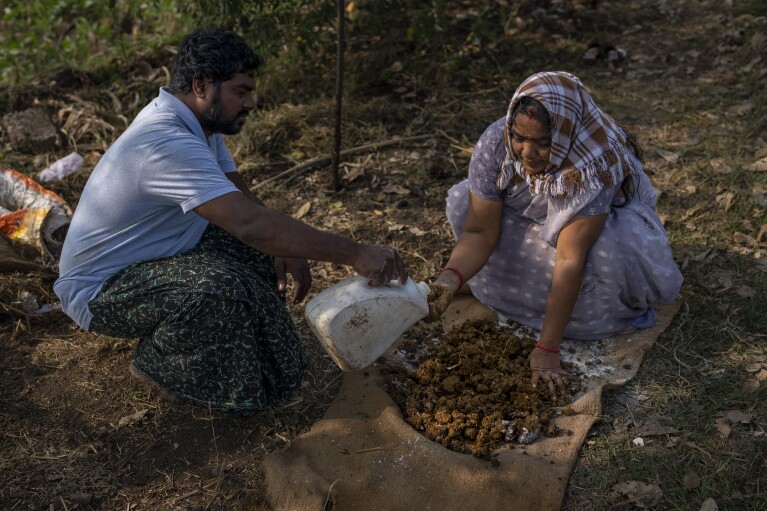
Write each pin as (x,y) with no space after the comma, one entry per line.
(472,393)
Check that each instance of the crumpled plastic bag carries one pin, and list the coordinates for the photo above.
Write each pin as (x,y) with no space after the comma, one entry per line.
(31,216)
(61,168)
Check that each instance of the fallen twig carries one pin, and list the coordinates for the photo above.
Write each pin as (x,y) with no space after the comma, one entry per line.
(331,382)
(330,490)
(320,160)
(380,448)
(186,496)
(415,254)
(456,144)
(673,353)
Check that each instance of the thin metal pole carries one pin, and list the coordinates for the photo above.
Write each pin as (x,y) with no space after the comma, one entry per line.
(336,153)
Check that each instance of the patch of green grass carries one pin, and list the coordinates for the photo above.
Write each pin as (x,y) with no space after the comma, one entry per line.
(753,7)
(42,37)
(694,375)
(696,372)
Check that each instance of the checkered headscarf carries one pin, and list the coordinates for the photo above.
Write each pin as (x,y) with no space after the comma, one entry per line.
(588,148)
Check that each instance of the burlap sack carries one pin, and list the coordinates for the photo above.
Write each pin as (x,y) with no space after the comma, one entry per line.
(362,456)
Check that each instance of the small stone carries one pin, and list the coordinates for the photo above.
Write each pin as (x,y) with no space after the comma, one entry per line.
(30,130)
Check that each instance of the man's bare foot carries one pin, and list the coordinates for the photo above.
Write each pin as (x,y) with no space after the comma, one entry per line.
(162,393)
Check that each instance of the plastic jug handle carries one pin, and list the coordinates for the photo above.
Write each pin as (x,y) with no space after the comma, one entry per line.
(424,288)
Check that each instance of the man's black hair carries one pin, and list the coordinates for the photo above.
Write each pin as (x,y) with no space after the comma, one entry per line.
(213,54)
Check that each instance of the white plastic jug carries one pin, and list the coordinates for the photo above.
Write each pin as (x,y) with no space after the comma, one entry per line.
(357,323)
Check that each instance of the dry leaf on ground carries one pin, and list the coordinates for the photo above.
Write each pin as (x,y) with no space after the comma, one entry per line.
(132,418)
(709,505)
(671,157)
(642,495)
(759,165)
(691,481)
(744,239)
(720,166)
(745,291)
(723,426)
(751,385)
(651,427)
(395,189)
(706,256)
(761,234)
(694,211)
(725,199)
(738,416)
(758,196)
(303,210)
(721,280)
(353,174)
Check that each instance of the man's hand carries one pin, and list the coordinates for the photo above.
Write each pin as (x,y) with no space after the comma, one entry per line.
(299,270)
(546,368)
(439,298)
(380,265)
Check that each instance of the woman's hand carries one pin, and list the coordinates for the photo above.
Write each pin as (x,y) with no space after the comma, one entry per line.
(546,367)
(440,296)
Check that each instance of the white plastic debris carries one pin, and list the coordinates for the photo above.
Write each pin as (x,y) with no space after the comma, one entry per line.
(638,441)
(61,168)
(45,309)
(528,436)
(28,302)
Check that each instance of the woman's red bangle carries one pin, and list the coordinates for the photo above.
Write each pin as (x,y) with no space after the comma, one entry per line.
(457,272)
(545,348)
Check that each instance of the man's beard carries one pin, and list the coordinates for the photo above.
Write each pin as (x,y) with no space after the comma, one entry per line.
(211,120)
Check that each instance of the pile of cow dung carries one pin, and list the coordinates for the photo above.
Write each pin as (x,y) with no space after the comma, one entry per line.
(472,393)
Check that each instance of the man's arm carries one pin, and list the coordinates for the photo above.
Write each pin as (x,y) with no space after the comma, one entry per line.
(277,234)
(236,178)
(297,267)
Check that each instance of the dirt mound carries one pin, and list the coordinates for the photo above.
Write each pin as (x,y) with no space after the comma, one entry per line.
(472,393)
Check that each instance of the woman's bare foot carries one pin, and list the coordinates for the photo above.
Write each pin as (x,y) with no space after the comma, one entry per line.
(162,393)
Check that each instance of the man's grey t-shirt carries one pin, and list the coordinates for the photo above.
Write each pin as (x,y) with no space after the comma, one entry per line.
(138,202)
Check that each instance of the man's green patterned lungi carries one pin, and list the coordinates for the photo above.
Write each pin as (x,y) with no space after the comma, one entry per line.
(212,326)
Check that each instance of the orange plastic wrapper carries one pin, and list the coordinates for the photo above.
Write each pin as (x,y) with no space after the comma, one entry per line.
(31,216)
